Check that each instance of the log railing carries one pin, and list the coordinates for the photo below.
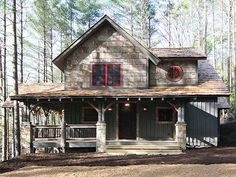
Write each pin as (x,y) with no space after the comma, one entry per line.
(72,131)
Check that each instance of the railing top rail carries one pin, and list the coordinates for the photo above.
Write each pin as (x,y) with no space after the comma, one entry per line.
(68,125)
(47,126)
(81,125)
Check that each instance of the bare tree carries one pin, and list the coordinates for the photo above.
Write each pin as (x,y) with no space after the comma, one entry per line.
(205,26)
(3,84)
(221,39)
(213,33)
(229,43)
(21,42)
(15,76)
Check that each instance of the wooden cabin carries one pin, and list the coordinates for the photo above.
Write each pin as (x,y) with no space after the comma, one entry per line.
(121,97)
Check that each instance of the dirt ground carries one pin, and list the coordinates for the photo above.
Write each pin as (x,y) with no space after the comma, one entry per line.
(195,162)
(180,170)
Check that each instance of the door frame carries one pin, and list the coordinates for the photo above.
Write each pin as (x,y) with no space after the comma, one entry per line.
(118,118)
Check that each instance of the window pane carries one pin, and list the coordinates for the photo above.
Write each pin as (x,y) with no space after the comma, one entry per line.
(90,115)
(99,69)
(114,69)
(98,80)
(113,80)
(165,114)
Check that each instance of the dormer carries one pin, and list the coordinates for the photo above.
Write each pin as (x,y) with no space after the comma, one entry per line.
(177,66)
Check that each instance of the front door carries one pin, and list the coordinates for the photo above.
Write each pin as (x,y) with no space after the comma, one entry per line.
(127,120)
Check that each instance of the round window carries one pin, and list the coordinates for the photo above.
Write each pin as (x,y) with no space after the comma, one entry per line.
(174,73)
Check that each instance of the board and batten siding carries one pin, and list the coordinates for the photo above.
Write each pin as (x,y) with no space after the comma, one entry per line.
(106,46)
(149,128)
(73,115)
(202,122)
(158,74)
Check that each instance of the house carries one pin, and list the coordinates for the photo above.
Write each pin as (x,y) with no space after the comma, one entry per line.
(121,97)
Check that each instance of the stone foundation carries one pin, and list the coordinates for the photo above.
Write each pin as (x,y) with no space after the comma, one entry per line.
(180,128)
(26,137)
(101,137)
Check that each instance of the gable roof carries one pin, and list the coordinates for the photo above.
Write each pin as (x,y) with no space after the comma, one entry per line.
(178,53)
(59,61)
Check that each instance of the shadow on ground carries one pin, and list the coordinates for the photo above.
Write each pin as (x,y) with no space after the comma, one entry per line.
(192,156)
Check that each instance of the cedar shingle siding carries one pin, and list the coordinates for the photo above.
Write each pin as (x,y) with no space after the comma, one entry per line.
(158,73)
(106,46)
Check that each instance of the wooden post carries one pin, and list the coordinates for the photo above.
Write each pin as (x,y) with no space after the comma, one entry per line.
(63,136)
(31,138)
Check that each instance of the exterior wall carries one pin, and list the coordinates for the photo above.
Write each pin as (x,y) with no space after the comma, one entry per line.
(149,128)
(158,73)
(73,112)
(106,46)
(202,123)
(73,115)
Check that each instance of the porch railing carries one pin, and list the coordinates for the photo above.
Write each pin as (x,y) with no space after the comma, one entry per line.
(73,131)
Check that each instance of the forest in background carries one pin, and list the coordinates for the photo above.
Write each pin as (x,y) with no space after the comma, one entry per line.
(34,32)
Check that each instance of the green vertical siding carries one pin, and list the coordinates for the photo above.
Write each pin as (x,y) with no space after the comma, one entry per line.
(202,123)
(149,128)
(110,119)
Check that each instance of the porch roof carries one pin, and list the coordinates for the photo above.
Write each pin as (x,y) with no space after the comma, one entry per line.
(209,84)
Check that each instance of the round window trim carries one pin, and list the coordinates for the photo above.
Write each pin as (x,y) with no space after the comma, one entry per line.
(177,75)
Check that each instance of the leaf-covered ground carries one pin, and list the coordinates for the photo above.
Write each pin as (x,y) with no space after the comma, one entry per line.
(206,156)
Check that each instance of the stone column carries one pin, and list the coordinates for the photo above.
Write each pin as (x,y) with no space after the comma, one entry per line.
(63,136)
(101,130)
(26,137)
(180,128)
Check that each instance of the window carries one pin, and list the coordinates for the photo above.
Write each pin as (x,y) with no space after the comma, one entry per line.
(106,74)
(166,115)
(89,115)
(174,73)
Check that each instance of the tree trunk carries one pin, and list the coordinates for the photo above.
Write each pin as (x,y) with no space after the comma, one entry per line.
(4,121)
(15,75)
(131,19)
(3,84)
(205,26)
(221,40)
(61,38)
(21,43)
(51,45)
(233,64)
(169,24)
(149,32)
(229,43)
(44,54)
(213,34)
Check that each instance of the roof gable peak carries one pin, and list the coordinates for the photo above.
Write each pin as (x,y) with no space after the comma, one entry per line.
(59,61)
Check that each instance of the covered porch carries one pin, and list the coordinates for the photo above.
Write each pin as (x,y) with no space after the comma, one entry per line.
(120,125)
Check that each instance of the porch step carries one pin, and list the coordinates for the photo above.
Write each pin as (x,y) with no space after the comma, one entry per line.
(142,142)
(143,149)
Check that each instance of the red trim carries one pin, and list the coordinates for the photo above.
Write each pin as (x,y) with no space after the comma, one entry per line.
(180,73)
(106,75)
